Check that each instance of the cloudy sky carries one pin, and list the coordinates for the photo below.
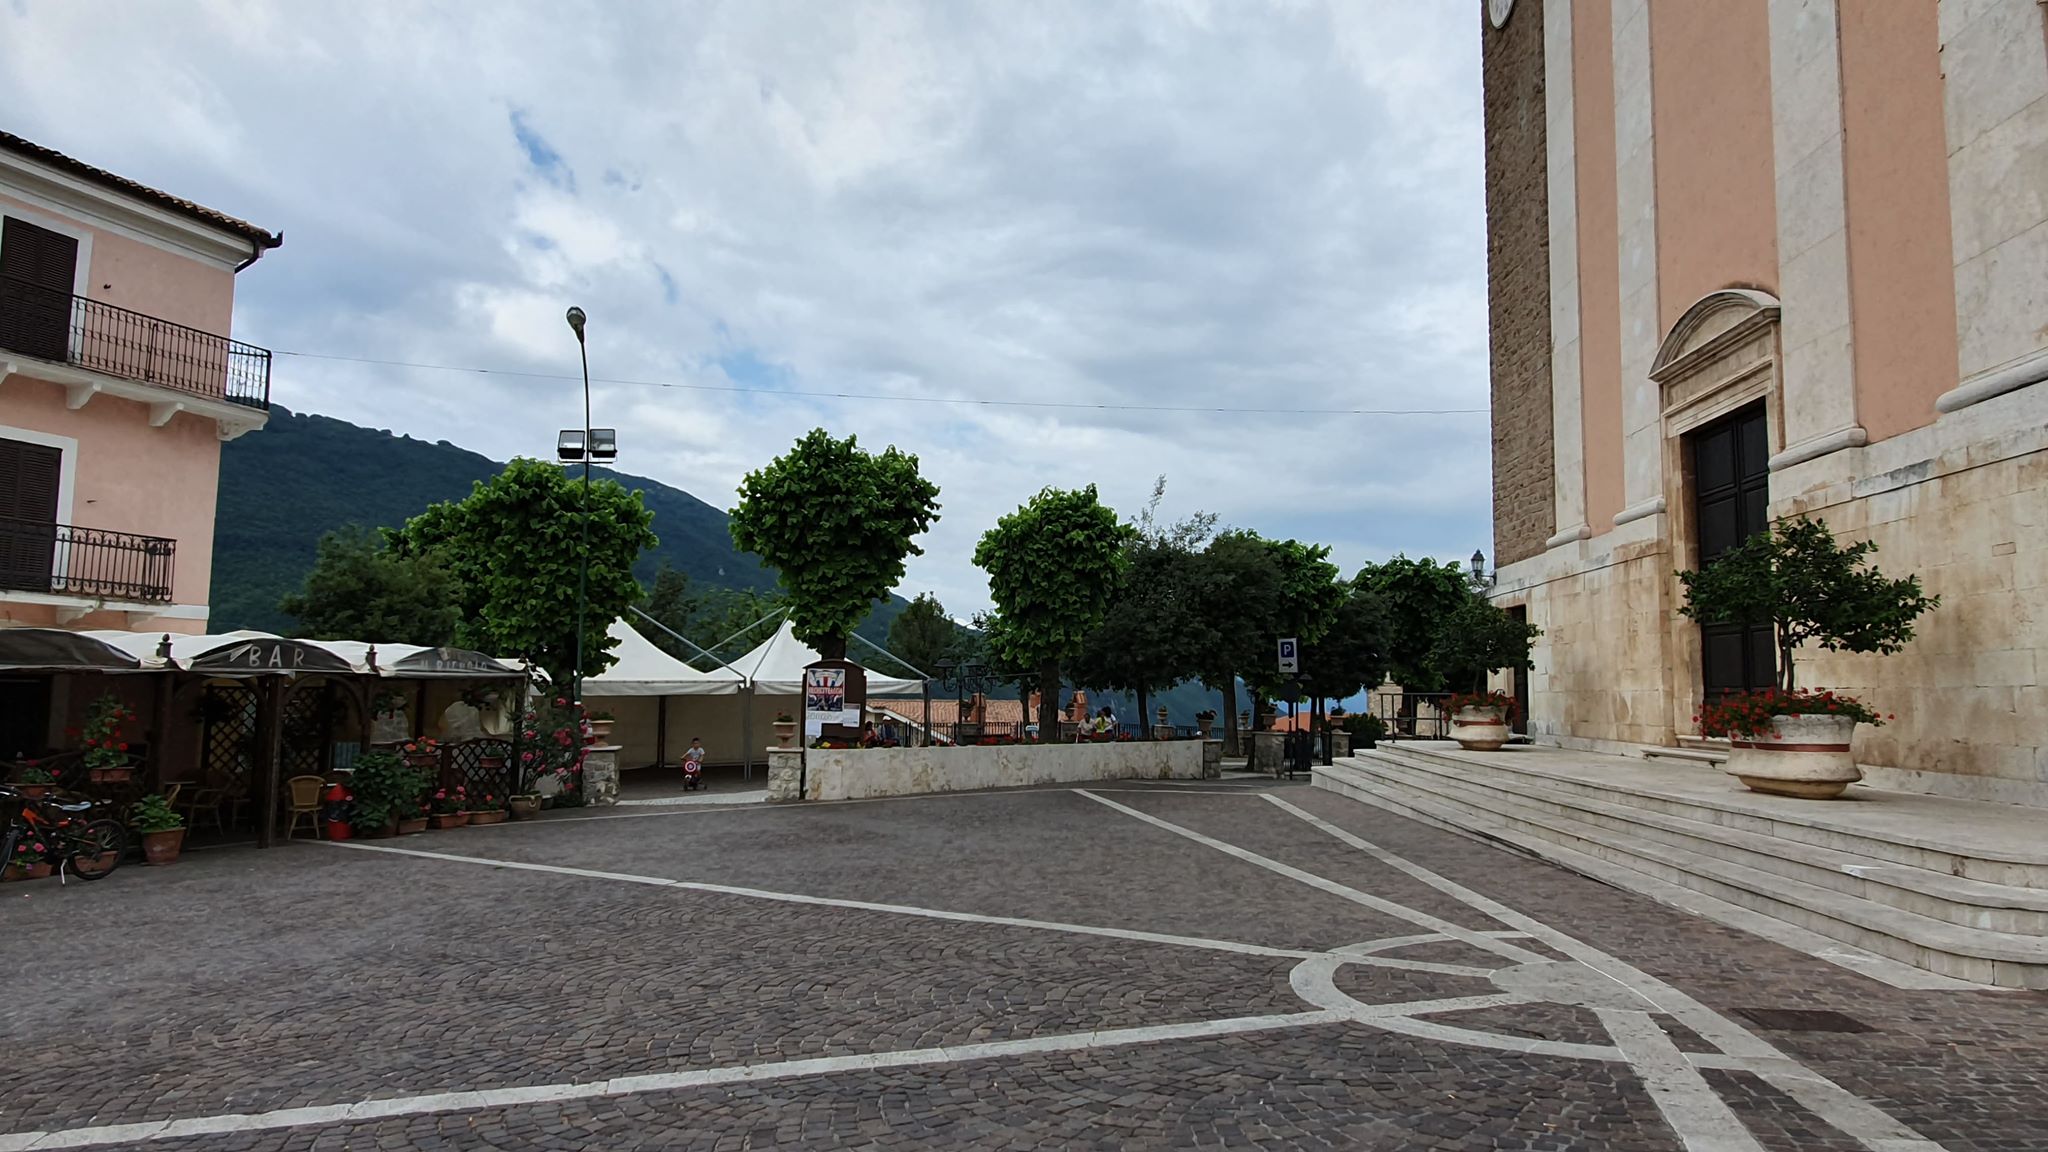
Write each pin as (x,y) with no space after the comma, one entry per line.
(1098,223)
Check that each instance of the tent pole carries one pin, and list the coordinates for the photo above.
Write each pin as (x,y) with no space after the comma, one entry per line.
(682,639)
(661,733)
(747,731)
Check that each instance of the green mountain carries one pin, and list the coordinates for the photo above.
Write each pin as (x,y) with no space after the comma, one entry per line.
(305,475)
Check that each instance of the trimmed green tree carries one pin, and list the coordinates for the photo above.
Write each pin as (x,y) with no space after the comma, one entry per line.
(1477,639)
(836,523)
(1307,597)
(1151,637)
(513,546)
(361,586)
(1351,656)
(1053,567)
(1416,596)
(923,635)
(1810,589)
(1235,598)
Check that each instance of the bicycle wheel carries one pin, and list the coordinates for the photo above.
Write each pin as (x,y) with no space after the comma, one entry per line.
(96,849)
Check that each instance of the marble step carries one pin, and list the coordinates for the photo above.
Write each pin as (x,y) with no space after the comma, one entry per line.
(1700,796)
(1959,900)
(1937,946)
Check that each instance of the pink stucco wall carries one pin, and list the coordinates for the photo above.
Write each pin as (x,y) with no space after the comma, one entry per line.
(1599,260)
(1901,255)
(145,278)
(132,477)
(1717,219)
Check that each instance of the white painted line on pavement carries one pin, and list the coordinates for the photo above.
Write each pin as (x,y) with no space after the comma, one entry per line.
(91,1137)
(1703,1121)
(1377,904)
(857,905)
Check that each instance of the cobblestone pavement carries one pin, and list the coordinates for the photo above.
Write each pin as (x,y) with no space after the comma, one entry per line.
(1132,966)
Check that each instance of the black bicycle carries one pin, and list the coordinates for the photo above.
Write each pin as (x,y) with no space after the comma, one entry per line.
(83,844)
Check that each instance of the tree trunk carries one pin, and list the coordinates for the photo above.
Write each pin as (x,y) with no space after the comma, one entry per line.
(1144,721)
(1230,734)
(832,648)
(1048,689)
(1785,668)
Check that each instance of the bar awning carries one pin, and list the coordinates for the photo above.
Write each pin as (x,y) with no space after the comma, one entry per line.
(59,650)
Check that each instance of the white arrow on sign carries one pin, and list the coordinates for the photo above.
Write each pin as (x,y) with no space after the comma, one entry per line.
(1290,656)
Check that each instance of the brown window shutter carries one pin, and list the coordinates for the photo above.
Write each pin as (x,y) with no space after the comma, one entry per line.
(29,474)
(36,267)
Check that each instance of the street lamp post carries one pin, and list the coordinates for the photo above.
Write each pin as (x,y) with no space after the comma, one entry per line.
(575,318)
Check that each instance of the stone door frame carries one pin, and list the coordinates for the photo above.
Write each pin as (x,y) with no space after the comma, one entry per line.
(1722,355)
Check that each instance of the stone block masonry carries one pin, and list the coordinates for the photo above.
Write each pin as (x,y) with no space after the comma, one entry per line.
(1518,284)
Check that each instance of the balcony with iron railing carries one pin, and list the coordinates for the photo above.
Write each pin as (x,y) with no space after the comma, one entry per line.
(54,325)
(66,560)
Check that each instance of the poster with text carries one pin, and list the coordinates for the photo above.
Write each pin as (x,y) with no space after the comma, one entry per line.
(824,699)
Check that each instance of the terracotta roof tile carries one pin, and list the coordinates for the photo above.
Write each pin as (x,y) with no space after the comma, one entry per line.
(79,168)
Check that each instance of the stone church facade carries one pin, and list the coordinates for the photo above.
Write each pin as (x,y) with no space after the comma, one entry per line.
(1759,258)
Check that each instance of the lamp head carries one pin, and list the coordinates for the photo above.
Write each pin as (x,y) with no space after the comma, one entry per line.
(1478,564)
(575,318)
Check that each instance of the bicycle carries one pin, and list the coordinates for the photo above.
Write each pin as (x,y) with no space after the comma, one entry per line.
(83,845)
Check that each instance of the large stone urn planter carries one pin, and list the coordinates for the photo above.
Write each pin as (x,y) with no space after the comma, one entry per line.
(785,733)
(1483,728)
(1804,756)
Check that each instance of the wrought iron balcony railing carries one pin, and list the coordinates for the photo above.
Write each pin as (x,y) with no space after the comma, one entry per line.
(54,325)
(38,556)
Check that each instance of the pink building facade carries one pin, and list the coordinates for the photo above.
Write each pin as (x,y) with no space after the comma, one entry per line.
(119,382)
(1758,258)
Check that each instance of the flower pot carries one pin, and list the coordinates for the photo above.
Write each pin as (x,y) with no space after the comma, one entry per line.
(410,827)
(600,731)
(378,832)
(426,761)
(37,871)
(162,847)
(523,807)
(1804,756)
(1480,729)
(34,790)
(111,775)
(1203,726)
(494,816)
(785,733)
(339,830)
(449,819)
(491,763)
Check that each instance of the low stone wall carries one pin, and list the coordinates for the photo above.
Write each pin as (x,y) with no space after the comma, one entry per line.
(852,774)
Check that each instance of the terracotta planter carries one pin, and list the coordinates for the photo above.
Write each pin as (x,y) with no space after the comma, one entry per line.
(494,816)
(111,775)
(449,819)
(162,847)
(491,763)
(1482,729)
(600,731)
(413,826)
(1804,756)
(523,807)
(35,871)
(380,832)
(785,733)
(425,761)
(338,830)
(34,790)
(1203,726)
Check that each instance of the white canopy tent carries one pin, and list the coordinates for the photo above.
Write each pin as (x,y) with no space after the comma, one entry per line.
(776,668)
(645,670)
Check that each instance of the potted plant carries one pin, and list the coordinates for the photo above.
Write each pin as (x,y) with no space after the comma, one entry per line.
(524,806)
(423,754)
(1160,717)
(785,730)
(29,861)
(599,726)
(384,788)
(1471,642)
(1244,721)
(106,751)
(161,828)
(34,780)
(413,820)
(1366,729)
(487,808)
(451,807)
(1479,720)
(1810,589)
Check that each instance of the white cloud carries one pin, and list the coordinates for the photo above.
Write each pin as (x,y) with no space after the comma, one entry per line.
(1183,204)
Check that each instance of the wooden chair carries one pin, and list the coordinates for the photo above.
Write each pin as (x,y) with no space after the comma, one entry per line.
(304,792)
